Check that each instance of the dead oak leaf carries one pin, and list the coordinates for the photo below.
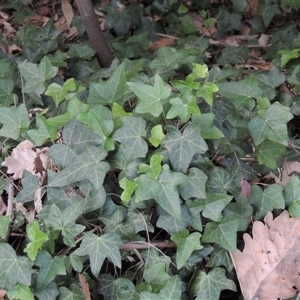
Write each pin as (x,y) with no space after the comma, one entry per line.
(268,267)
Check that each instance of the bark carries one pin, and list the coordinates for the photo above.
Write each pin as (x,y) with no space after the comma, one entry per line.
(94,32)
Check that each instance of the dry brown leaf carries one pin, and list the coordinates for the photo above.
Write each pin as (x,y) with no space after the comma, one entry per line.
(2,294)
(69,14)
(268,267)
(164,41)
(23,158)
(85,287)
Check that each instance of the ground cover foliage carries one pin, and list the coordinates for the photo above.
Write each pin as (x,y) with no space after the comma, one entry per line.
(139,180)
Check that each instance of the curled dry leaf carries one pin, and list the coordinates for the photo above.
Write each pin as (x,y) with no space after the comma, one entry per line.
(268,267)
(24,158)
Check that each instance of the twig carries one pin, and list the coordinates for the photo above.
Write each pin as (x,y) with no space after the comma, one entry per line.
(144,245)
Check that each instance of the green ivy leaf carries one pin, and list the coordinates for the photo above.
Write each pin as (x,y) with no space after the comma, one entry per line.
(213,205)
(14,268)
(172,290)
(37,239)
(206,91)
(207,128)
(132,144)
(269,152)
(7,98)
(223,233)
(36,75)
(194,185)
(287,55)
(182,147)
(290,3)
(43,132)
(58,93)
(220,257)
(182,108)
(83,51)
(98,248)
(151,98)
(209,286)
(74,293)
(157,276)
(15,121)
(153,170)
(64,221)
(50,267)
(128,187)
(291,196)
(21,292)
(186,244)
(267,200)
(241,93)
(157,135)
(88,165)
(167,59)
(4,225)
(30,185)
(163,190)
(199,71)
(113,90)
(271,126)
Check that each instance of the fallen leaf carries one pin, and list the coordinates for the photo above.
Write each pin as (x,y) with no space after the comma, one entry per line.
(164,41)
(268,267)
(85,287)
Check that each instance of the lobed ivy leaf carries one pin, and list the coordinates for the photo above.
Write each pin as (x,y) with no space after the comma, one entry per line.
(15,121)
(20,291)
(58,93)
(194,185)
(183,108)
(241,93)
(186,244)
(157,135)
(128,187)
(43,132)
(206,91)
(7,98)
(37,239)
(113,90)
(291,196)
(14,268)
(207,128)
(267,200)
(154,169)
(50,267)
(88,165)
(162,190)
(36,75)
(209,286)
(30,185)
(83,51)
(64,220)
(287,55)
(152,98)
(220,257)
(49,292)
(271,126)
(74,293)
(4,225)
(99,248)
(223,233)
(182,147)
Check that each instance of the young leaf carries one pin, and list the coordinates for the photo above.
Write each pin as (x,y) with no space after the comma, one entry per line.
(128,187)
(20,291)
(186,244)
(163,190)
(14,268)
(271,126)
(182,108)
(157,135)
(36,75)
(287,55)
(15,121)
(37,239)
(182,147)
(208,130)
(151,97)
(99,248)
(153,170)
(206,91)
(209,286)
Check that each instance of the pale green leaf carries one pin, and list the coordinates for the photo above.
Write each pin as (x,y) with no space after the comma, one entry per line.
(208,130)
(37,239)
(157,135)
(153,170)
(20,292)
(287,55)
(128,187)
(206,91)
